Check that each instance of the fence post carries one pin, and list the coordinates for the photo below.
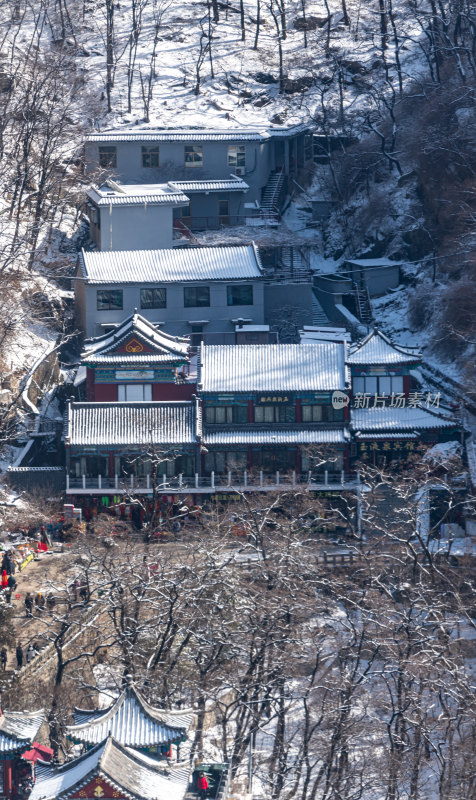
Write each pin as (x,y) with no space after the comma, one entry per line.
(67,481)
(116,481)
(132,481)
(229,477)
(309,476)
(245,478)
(180,480)
(294,477)
(84,481)
(147,481)
(99,481)
(342,477)
(261,477)
(277,477)
(196,480)
(213,479)
(326,477)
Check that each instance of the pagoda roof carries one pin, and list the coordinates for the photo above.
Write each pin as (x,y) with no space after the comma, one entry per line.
(377,348)
(138,331)
(131,721)
(134,775)
(19,728)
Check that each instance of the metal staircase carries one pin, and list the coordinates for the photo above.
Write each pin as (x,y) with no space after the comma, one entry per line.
(293,265)
(363,305)
(271,193)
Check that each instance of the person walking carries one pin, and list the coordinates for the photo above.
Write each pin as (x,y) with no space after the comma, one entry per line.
(11,586)
(30,653)
(202,785)
(29,604)
(19,655)
(3,659)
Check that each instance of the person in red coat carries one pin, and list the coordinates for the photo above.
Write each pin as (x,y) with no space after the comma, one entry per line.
(202,785)
(4,579)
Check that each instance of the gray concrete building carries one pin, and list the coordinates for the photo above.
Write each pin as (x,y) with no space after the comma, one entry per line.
(266,159)
(202,291)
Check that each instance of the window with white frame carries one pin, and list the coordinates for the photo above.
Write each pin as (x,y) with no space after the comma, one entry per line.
(134,392)
(236,155)
(381,385)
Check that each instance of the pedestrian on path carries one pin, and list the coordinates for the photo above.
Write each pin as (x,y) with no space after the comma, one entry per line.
(30,653)
(202,785)
(3,659)
(19,655)
(29,604)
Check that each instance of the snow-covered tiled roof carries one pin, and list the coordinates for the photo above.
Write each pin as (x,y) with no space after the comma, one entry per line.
(19,728)
(171,266)
(270,437)
(376,348)
(198,135)
(402,419)
(112,194)
(165,346)
(138,424)
(131,721)
(127,772)
(273,367)
(230,185)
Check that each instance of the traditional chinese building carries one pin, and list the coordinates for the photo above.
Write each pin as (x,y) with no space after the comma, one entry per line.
(133,723)
(114,772)
(263,415)
(137,362)
(268,409)
(390,415)
(18,729)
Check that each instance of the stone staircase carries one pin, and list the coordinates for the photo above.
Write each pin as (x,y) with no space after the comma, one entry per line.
(319,318)
(293,265)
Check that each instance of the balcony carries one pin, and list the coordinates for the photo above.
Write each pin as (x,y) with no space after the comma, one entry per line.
(229,482)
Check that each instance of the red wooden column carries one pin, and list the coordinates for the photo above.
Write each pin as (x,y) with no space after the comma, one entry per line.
(7,778)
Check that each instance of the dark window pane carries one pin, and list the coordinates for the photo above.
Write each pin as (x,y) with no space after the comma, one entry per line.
(223,208)
(150,156)
(241,415)
(108,156)
(236,155)
(193,155)
(240,295)
(153,298)
(194,296)
(109,300)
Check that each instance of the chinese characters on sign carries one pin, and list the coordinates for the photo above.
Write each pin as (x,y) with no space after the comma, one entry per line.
(275,399)
(399,400)
(403,448)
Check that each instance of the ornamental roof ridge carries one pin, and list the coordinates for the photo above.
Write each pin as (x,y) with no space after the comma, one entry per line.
(377,348)
(130,694)
(142,328)
(126,770)
(21,726)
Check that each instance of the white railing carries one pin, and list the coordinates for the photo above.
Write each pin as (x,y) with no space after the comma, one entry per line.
(254,480)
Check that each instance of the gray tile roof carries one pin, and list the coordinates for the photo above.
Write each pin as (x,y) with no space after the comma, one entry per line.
(171,266)
(165,346)
(275,436)
(401,419)
(273,367)
(139,194)
(19,728)
(231,185)
(131,721)
(177,135)
(130,773)
(140,424)
(198,135)
(376,348)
